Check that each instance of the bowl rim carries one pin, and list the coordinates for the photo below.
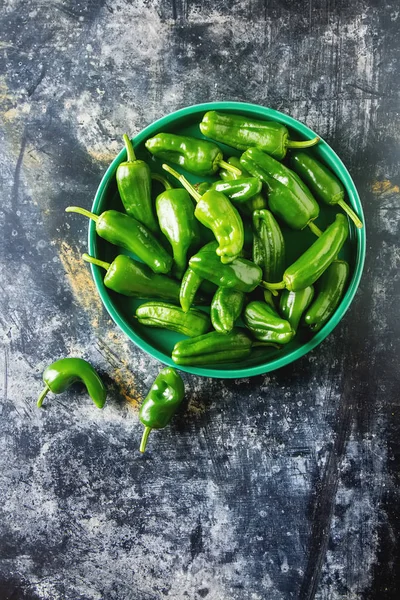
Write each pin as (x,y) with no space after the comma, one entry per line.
(360,234)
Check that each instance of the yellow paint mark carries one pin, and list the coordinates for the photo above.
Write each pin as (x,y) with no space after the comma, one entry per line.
(104,157)
(385,187)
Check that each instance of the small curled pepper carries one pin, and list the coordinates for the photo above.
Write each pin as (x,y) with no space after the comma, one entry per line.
(238,190)
(256,202)
(266,324)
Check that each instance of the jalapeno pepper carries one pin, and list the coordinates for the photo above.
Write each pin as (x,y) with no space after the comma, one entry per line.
(316,259)
(131,278)
(215,211)
(243,132)
(288,197)
(161,403)
(294,304)
(63,373)
(126,232)
(331,286)
(167,316)
(200,157)
(268,245)
(134,186)
(213,348)
(322,182)
(256,202)
(266,324)
(226,308)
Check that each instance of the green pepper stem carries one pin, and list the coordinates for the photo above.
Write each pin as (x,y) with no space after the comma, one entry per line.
(230,168)
(130,153)
(316,230)
(183,181)
(145,435)
(82,211)
(303,144)
(95,261)
(273,286)
(347,209)
(42,396)
(162,180)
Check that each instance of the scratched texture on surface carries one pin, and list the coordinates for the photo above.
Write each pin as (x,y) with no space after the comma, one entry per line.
(272,488)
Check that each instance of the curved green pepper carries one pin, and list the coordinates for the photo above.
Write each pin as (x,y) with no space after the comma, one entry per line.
(191,283)
(62,373)
(243,132)
(213,348)
(126,232)
(256,202)
(226,308)
(330,290)
(322,182)
(161,403)
(215,211)
(131,278)
(240,275)
(293,304)
(134,186)
(265,323)
(288,197)
(238,190)
(167,316)
(200,157)
(268,245)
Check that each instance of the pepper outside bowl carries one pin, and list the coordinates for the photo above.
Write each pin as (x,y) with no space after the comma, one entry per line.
(159,343)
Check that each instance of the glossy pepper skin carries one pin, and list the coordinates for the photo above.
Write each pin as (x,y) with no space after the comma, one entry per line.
(191,283)
(268,245)
(331,286)
(167,316)
(255,202)
(132,278)
(243,132)
(240,275)
(161,403)
(322,182)
(134,186)
(213,348)
(216,212)
(265,323)
(293,304)
(126,232)
(238,190)
(175,212)
(200,157)
(226,308)
(63,373)
(288,197)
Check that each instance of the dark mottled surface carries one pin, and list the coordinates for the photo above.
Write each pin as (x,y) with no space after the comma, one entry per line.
(283,486)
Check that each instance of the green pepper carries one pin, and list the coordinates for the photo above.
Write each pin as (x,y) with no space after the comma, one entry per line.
(132,278)
(167,316)
(268,245)
(226,308)
(126,232)
(322,182)
(316,259)
(200,157)
(238,190)
(175,212)
(265,323)
(161,403)
(134,186)
(191,283)
(213,348)
(258,201)
(293,304)
(215,211)
(62,373)
(243,132)
(330,290)
(288,197)
(240,275)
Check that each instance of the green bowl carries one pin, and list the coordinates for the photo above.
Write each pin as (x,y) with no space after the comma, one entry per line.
(159,343)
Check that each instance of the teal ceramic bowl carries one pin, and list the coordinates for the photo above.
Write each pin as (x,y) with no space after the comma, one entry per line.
(159,343)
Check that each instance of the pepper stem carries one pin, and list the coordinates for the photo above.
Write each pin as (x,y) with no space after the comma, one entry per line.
(95,261)
(273,286)
(162,180)
(347,209)
(316,230)
(183,181)
(42,396)
(130,153)
(145,435)
(82,211)
(230,168)
(303,144)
